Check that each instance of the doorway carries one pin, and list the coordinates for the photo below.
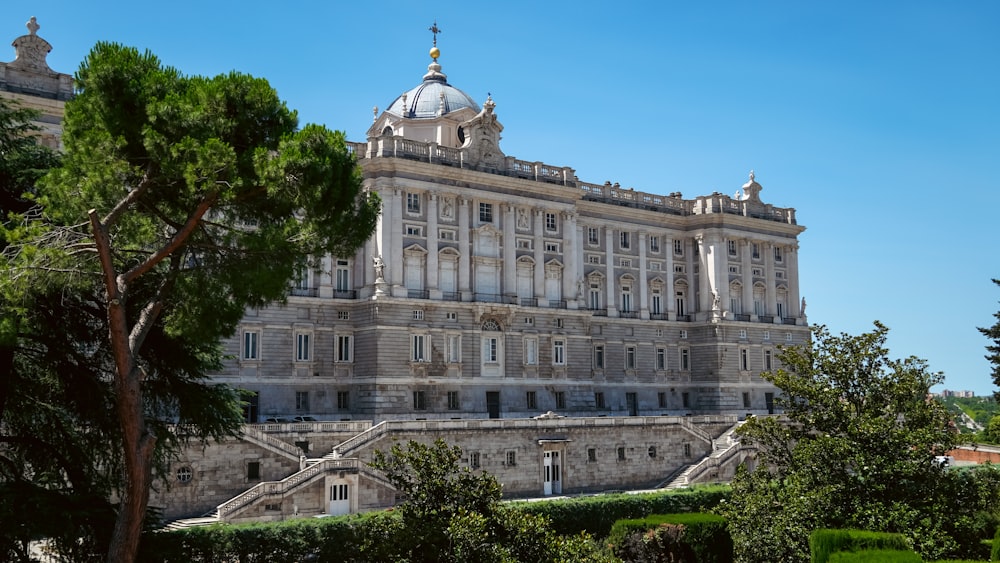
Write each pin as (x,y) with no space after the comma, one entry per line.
(552,478)
(493,404)
(632,402)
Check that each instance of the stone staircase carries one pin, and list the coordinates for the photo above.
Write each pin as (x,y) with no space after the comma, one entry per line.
(724,448)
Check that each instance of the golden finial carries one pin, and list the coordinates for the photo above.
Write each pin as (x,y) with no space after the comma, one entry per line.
(435,52)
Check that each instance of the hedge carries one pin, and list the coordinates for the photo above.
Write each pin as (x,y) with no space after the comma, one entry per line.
(824,543)
(706,534)
(875,556)
(597,514)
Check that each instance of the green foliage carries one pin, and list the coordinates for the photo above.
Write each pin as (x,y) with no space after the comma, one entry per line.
(855,451)
(705,535)
(876,556)
(993,349)
(995,548)
(824,543)
(664,543)
(596,515)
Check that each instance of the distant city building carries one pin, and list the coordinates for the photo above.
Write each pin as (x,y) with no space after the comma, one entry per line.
(959,394)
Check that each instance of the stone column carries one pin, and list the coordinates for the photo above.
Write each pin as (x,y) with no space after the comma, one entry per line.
(383,235)
(692,289)
(432,247)
(326,272)
(609,267)
(509,252)
(643,282)
(792,276)
(464,250)
(671,292)
(746,272)
(539,243)
(704,285)
(394,264)
(570,268)
(771,293)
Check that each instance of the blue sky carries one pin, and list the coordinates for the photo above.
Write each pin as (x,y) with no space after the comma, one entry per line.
(877,121)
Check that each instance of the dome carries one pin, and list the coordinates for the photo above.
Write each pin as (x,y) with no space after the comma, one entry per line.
(424,101)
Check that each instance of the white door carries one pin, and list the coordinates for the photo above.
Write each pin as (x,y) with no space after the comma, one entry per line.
(340,499)
(552,483)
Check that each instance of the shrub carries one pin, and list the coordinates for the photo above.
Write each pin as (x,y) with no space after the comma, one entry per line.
(824,543)
(663,544)
(875,556)
(705,534)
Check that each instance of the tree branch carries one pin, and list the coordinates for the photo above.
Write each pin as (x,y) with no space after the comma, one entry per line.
(147,318)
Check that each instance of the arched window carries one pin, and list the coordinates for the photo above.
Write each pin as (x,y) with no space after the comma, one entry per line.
(491,325)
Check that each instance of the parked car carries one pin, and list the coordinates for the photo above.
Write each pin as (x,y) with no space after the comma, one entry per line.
(944,460)
(277,419)
(304,419)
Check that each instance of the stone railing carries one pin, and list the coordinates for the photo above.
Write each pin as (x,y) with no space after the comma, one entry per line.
(351,426)
(278,489)
(361,439)
(255,435)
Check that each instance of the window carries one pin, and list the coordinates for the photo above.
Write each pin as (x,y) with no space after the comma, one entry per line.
(767,335)
(779,275)
(595,296)
(661,399)
(418,315)
(654,266)
(686,400)
(731,244)
(687,450)
(621,454)
(453,400)
(755,251)
(591,455)
(343,315)
(343,400)
(681,302)
(683,333)
(451,316)
(414,231)
(626,262)
(251,342)
(661,358)
(626,299)
(486,212)
(757,272)
(593,236)
(413,203)
(303,352)
(418,348)
(419,401)
(743,333)
(184,475)
(529,321)
(560,397)
(777,254)
(302,400)
(345,348)
(343,274)
(453,343)
(599,356)
(558,323)
(511,458)
(552,247)
(630,357)
(593,259)
(446,234)
(530,400)
(678,268)
(746,400)
(625,240)
(491,347)
(734,269)
(550,222)
(474,460)
(531,351)
(767,360)
(654,245)
(524,243)
(599,400)
(651,452)
(559,352)
(788,337)
(678,247)
(253,470)
(656,305)
(744,359)
(685,359)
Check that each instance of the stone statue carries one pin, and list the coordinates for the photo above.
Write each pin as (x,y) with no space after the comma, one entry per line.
(579,288)
(379,268)
(716,301)
(522,218)
(446,208)
(802,308)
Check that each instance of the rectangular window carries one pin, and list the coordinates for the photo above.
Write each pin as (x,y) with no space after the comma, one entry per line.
(453,400)
(550,222)
(788,337)
(654,245)
(414,231)
(625,240)
(626,299)
(474,460)
(418,347)
(343,400)
(661,358)
(593,259)
(253,470)
(656,306)
(343,315)
(595,296)
(303,352)
(661,398)
(418,315)
(684,333)
(678,247)
(451,316)
(302,400)
(345,349)
(454,345)
(767,360)
(621,453)
(731,244)
(744,359)
(591,455)
(485,212)
(446,234)
(599,400)
(755,251)
(767,335)
(552,247)
(626,262)
(560,397)
(531,351)
(558,323)
(530,400)
(413,203)
(343,280)
(630,357)
(251,340)
(686,400)
(491,346)
(559,352)
(599,357)
(524,243)
(419,401)
(593,236)
(685,359)
(777,254)
(529,321)
(743,333)
(511,458)
(746,400)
